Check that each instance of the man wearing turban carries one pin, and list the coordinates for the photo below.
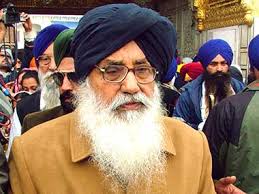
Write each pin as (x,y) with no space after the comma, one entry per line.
(117,140)
(48,96)
(62,77)
(232,131)
(215,84)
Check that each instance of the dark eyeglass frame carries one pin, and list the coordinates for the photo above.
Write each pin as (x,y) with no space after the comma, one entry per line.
(47,57)
(104,69)
(58,77)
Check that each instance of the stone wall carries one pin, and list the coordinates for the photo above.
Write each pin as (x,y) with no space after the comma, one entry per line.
(181,14)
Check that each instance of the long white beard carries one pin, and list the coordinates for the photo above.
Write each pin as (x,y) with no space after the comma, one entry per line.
(127,146)
(50,96)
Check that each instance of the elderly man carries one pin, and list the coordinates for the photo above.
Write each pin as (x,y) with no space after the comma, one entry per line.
(62,77)
(215,84)
(117,140)
(48,97)
(232,131)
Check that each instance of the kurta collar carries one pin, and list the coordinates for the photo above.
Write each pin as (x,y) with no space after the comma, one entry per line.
(81,146)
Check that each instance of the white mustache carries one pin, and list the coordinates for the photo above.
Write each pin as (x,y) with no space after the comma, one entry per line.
(127,98)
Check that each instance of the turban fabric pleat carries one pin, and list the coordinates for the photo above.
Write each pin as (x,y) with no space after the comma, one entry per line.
(45,38)
(253,52)
(62,45)
(106,29)
(211,49)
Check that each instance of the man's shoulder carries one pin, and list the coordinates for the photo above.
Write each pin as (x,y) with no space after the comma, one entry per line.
(45,114)
(237,99)
(237,85)
(193,85)
(181,133)
(50,130)
(36,118)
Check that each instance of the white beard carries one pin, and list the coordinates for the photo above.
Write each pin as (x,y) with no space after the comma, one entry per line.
(127,146)
(50,96)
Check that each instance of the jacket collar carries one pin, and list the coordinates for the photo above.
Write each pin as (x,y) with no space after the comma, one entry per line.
(81,146)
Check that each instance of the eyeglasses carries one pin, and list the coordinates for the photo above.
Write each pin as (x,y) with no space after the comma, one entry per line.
(117,73)
(58,77)
(44,60)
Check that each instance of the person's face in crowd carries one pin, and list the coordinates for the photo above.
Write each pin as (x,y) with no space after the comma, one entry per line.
(130,56)
(218,64)
(5,59)
(46,61)
(18,64)
(217,79)
(30,85)
(253,75)
(63,79)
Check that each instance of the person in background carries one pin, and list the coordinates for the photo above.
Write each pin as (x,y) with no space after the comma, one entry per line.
(199,96)
(48,96)
(236,72)
(117,140)
(232,131)
(169,93)
(64,78)
(30,81)
(191,71)
(5,108)
(6,61)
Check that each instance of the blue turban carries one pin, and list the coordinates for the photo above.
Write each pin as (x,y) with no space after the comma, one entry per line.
(45,38)
(171,71)
(253,52)
(105,29)
(211,49)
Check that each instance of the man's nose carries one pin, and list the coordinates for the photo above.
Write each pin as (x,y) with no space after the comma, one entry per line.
(129,84)
(52,65)
(219,67)
(66,85)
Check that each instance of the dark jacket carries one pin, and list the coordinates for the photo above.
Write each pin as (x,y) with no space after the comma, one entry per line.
(233,133)
(28,105)
(188,105)
(37,118)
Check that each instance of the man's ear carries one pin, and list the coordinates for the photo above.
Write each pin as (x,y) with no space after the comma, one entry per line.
(256,73)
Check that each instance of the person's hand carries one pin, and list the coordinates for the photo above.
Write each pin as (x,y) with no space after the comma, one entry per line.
(10,87)
(27,24)
(225,186)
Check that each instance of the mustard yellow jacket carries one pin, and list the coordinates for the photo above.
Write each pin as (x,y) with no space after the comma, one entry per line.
(52,158)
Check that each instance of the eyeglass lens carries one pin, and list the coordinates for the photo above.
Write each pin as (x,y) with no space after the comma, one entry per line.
(58,77)
(44,60)
(116,73)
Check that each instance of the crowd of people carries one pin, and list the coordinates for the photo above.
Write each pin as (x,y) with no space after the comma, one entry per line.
(109,107)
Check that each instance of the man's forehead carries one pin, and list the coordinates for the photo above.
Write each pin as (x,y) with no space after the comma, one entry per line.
(218,58)
(49,50)
(67,65)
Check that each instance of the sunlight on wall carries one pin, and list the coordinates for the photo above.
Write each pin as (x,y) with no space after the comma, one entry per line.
(255,7)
